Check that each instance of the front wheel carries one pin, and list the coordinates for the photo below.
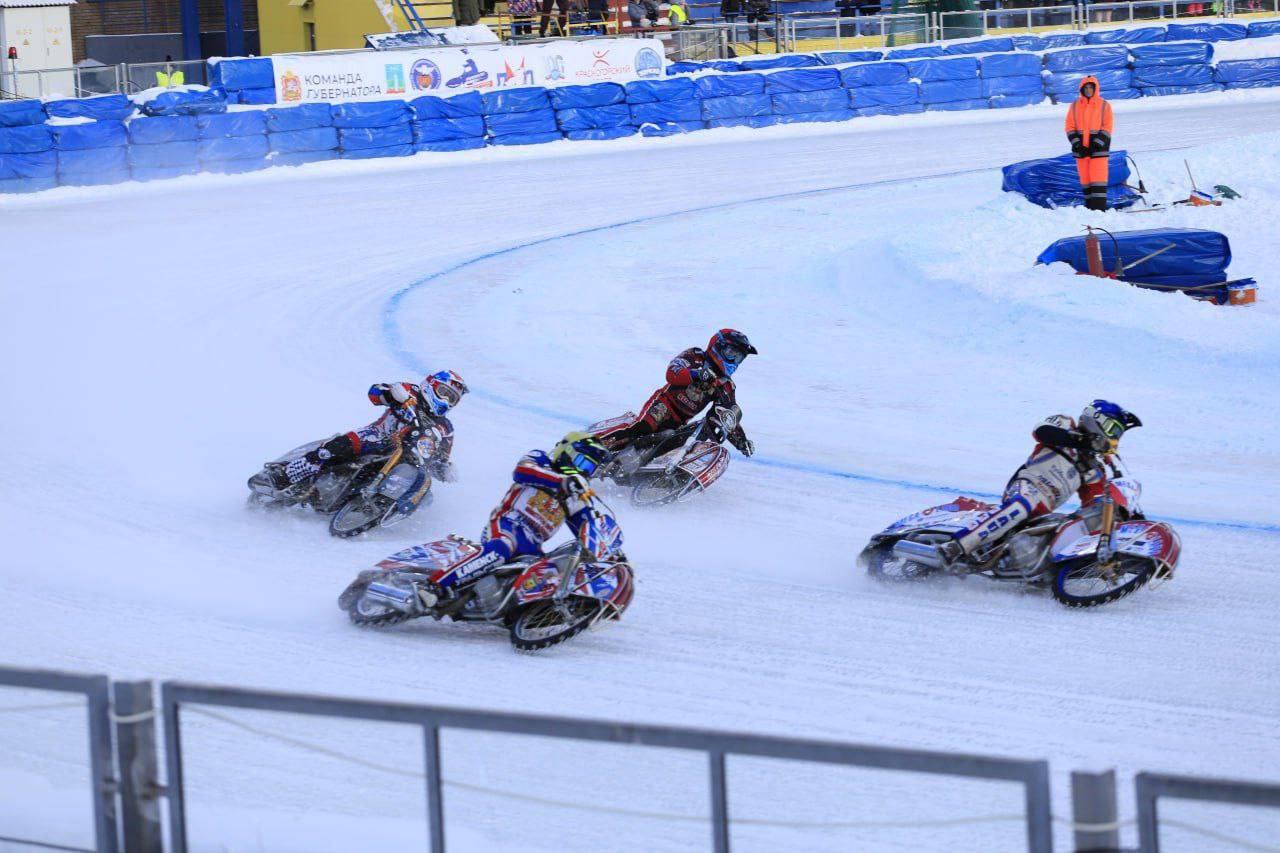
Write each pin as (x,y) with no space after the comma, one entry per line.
(662,489)
(1087,584)
(359,515)
(546,623)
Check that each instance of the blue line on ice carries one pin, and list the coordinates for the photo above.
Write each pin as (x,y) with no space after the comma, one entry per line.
(391,334)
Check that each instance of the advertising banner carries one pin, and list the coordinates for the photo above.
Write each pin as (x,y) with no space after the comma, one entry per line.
(377,75)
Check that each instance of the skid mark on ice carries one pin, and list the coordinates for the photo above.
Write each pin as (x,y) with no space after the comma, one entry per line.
(391,335)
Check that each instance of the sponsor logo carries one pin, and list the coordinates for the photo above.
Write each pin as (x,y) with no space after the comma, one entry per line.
(601,59)
(601,68)
(519,76)
(470,78)
(395,79)
(648,63)
(424,75)
(290,87)
(553,68)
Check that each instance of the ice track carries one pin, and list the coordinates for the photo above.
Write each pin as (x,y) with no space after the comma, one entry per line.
(903,345)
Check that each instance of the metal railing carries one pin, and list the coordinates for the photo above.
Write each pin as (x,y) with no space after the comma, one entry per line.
(851,33)
(1152,786)
(88,80)
(95,689)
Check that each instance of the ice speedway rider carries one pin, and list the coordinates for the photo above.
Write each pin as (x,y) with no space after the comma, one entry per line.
(1068,457)
(409,407)
(548,490)
(695,378)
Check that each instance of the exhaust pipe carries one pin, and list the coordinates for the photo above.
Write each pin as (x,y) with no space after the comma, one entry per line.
(918,552)
(400,599)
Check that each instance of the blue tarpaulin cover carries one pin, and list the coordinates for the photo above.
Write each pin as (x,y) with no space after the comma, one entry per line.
(670,128)
(874,74)
(839,57)
(95,134)
(1053,40)
(97,166)
(594,118)
(232,148)
(683,67)
(444,129)
(27,185)
(783,60)
(38,164)
(1054,181)
(1068,82)
(1034,43)
(1207,32)
(727,85)
(791,103)
(721,65)
(931,70)
(299,158)
(360,138)
(164,154)
(239,123)
(1177,53)
(304,117)
(466,144)
(105,107)
(900,95)
(822,115)
(802,80)
(1194,89)
(253,97)
(1198,256)
(151,131)
(1006,101)
(653,91)
(458,106)
(995,45)
(737,106)
(21,113)
(946,91)
(580,97)
(405,150)
(1248,71)
(25,140)
(1009,64)
(1261,29)
(163,173)
(667,111)
(1171,75)
(510,101)
(899,110)
(914,52)
(371,114)
(1137,35)
(251,73)
(187,103)
(956,106)
(992,87)
(600,133)
(745,121)
(309,139)
(537,123)
(1087,59)
(525,138)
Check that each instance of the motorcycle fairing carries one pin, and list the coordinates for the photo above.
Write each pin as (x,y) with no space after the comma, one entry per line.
(705,462)
(608,582)
(960,514)
(1154,540)
(433,558)
(623,419)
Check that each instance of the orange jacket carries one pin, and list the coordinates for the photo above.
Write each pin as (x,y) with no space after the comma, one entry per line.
(1088,118)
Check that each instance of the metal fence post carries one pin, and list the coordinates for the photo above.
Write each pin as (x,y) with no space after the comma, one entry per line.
(173,771)
(1039,809)
(101,767)
(435,795)
(1148,828)
(719,802)
(1093,804)
(135,723)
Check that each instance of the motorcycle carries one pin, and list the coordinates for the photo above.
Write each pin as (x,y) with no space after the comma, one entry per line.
(542,600)
(1091,557)
(371,491)
(672,465)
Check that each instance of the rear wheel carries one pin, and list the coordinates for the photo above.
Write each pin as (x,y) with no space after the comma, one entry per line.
(359,515)
(662,489)
(546,623)
(1087,584)
(365,611)
(883,565)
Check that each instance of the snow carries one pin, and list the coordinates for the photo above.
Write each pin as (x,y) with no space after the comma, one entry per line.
(167,338)
(1254,48)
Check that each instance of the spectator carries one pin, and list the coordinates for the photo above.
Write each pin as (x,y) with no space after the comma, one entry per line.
(730,9)
(643,13)
(598,10)
(562,19)
(518,10)
(678,13)
(466,12)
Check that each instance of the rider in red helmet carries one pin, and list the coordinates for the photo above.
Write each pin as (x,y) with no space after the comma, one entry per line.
(695,378)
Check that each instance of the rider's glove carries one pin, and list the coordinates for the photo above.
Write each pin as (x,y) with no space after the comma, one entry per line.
(443,470)
(1098,443)
(318,456)
(575,485)
(745,446)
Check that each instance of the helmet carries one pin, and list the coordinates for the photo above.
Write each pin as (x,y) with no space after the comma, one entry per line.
(1107,419)
(442,391)
(580,453)
(727,349)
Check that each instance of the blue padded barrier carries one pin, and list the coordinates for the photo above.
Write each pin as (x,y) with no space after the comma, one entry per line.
(94,134)
(37,164)
(782,60)
(370,114)
(1020,86)
(1186,89)
(1054,181)
(736,106)
(653,91)
(185,103)
(1087,59)
(1068,82)
(839,57)
(670,128)
(248,73)
(914,52)
(522,124)
(26,185)
(458,106)
(1010,65)
(1251,84)
(744,121)
(405,150)
(899,110)
(27,139)
(239,123)
(164,154)
(525,138)
(823,115)
(898,95)
(1115,95)
(1052,40)
(1262,29)
(999,102)
(446,129)
(1248,71)
(992,45)
(1178,53)
(254,97)
(791,103)
(594,118)
(88,160)
(152,131)
(364,138)
(688,110)
(21,113)
(874,74)
(729,85)
(102,108)
(309,139)
(221,148)
(955,106)
(721,65)
(950,91)
(802,80)
(935,70)
(467,144)
(1032,43)
(299,158)
(599,134)
(1171,75)
(303,117)
(509,101)
(684,67)
(586,97)
(1138,35)
(1206,32)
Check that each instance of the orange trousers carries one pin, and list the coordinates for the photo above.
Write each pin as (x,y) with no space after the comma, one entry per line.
(1093,170)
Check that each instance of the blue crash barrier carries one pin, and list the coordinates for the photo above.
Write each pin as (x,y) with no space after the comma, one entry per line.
(1260,71)
(513,101)
(185,103)
(26,140)
(840,57)
(584,97)
(1054,181)
(521,123)
(1087,59)
(303,117)
(106,107)
(307,139)
(729,85)
(874,74)
(594,118)
(458,106)
(236,74)
(363,138)
(1194,89)
(222,148)
(1206,32)
(1138,35)
(933,70)
(782,60)
(1020,86)
(1172,75)
(94,134)
(686,111)
(993,45)
(799,103)
(1172,258)
(944,91)
(240,123)
(158,129)
(371,114)
(1068,82)
(802,80)
(21,113)
(897,95)
(652,91)
(736,106)
(1011,65)
(1174,53)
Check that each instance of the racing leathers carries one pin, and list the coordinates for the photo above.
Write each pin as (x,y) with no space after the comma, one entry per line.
(692,384)
(405,415)
(1064,461)
(541,498)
